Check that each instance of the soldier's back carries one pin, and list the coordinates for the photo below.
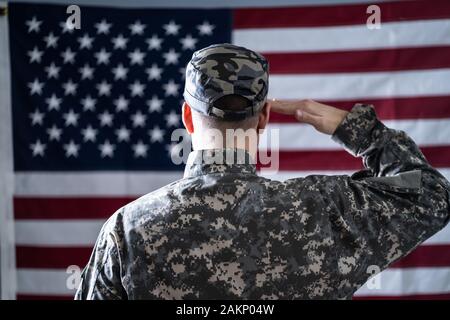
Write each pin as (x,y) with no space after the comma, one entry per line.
(226,235)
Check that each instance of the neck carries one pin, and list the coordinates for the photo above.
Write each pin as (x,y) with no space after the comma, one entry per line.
(246,141)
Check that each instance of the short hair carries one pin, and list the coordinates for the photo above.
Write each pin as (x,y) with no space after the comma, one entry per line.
(229,102)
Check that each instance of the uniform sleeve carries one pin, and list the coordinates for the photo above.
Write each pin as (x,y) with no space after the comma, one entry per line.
(380,214)
(101,278)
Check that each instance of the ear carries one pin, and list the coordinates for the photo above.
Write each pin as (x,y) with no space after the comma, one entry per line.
(264,116)
(187,118)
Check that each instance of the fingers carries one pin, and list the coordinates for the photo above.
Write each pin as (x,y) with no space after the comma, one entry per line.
(290,106)
(306,117)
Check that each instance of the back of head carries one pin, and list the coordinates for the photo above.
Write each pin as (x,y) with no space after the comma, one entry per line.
(226,86)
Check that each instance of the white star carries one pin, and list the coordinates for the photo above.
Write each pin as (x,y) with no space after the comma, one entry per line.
(120,72)
(119,42)
(51,40)
(121,104)
(38,148)
(103,27)
(53,102)
(137,27)
(123,134)
(138,119)
(188,42)
(85,41)
(89,134)
(54,133)
(52,71)
(106,118)
(171,57)
(172,28)
(68,56)
(66,27)
(154,73)
(107,149)
(206,28)
(104,88)
(36,117)
(137,89)
(70,87)
(86,72)
(102,56)
(35,87)
(140,149)
(71,149)
(156,134)
(154,104)
(154,42)
(171,88)
(88,103)
(172,119)
(35,55)
(33,25)
(71,118)
(136,57)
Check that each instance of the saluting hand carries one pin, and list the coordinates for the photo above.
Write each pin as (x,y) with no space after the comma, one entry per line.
(322,117)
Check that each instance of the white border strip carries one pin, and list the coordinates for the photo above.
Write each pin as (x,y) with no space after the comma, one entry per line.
(199,3)
(7,254)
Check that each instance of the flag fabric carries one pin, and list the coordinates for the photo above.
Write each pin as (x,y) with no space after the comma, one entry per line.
(93,112)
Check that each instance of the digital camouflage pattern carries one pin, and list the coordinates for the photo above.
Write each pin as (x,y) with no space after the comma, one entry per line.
(224,69)
(222,232)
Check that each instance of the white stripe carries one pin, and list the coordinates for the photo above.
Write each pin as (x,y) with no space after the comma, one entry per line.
(79,233)
(91,183)
(296,136)
(72,233)
(393,282)
(284,175)
(409,281)
(417,33)
(56,184)
(347,86)
(43,282)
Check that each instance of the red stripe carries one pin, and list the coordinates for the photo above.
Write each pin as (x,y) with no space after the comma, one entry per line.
(426,256)
(62,257)
(359,61)
(395,109)
(51,257)
(67,208)
(341,160)
(42,297)
(338,15)
(437,296)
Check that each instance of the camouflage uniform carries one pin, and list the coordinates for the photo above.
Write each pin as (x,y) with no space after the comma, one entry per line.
(224,232)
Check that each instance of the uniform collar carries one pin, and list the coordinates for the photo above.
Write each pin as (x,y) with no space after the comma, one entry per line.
(201,162)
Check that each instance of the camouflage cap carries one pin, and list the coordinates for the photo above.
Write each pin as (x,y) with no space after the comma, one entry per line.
(225,69)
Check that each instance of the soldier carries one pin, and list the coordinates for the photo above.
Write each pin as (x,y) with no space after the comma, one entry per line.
(223,232)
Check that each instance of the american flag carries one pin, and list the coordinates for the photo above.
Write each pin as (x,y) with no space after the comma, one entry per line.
(93,110)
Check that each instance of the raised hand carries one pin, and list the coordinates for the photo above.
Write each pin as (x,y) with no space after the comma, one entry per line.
(322,117)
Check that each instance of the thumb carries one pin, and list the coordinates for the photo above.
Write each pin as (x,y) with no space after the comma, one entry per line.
(306,117)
